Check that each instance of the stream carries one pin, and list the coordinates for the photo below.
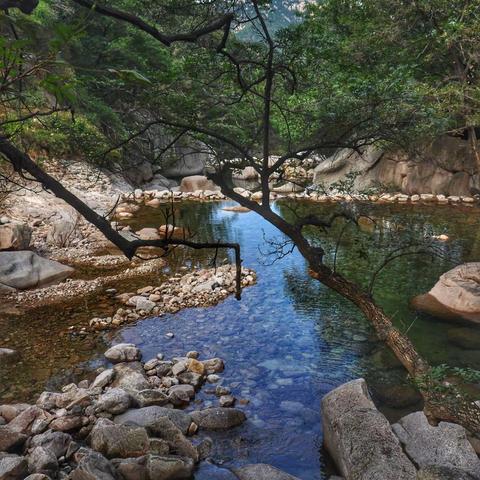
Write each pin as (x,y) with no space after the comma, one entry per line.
(289,340)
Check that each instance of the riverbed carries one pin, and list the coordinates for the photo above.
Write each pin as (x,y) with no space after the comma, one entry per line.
(289,340)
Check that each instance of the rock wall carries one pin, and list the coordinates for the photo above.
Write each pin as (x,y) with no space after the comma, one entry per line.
(446,166)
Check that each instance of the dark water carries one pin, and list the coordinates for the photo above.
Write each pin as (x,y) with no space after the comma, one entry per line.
(289,340)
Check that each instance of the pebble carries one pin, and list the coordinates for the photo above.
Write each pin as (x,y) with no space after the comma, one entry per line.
(169,335)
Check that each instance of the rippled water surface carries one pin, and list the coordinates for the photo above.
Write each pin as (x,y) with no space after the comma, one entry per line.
(290,340)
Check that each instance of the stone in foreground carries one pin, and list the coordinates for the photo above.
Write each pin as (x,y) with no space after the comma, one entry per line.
(444,446)
(359,437)
(262,471)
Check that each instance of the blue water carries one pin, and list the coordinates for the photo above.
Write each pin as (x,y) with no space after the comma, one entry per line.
(289,340)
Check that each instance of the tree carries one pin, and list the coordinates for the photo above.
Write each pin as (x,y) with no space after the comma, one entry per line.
(249,100)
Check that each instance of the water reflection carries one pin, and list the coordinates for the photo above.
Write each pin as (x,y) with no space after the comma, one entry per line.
(290,340)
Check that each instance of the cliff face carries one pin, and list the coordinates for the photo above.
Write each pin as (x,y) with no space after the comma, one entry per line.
(446,166)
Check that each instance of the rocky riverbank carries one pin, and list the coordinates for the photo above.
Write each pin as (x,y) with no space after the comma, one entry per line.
(411,449)
(133,421)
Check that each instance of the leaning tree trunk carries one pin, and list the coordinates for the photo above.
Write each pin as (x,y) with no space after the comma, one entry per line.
(439,402)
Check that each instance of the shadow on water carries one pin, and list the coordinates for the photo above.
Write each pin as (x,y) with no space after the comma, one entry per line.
(290,340)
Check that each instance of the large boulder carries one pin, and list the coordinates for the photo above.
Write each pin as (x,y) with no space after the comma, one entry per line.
(15,236)
(261,471)
(445,445)
(456,295)
(197,182)
(359,438)
(26,269)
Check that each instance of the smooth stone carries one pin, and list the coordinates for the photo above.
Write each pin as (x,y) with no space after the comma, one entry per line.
(150,418)
(103,379)
(130,376)
(114,401)
(218,418)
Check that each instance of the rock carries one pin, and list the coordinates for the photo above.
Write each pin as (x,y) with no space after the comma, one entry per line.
(169,468)
(262,471)
(13,467)
(213,365)
(181,394)
(191,378)
(26,421)
(144,304)
(15,236)
(119,441)
(147,398)
(130,376)
(445,445)
(397,396)
(209,471)
(37,476)
(114,401)
(177,442)
(197,182)
(9,412)
(227,401)
(237,209)
(434,472)
(349,418)
(171,231)
(150,418)
(131,468)
(67,423)
(148,234)
(42,460)
(26,269)
(50,400)
(103,379)
(218,418)
(93,466)
(123,352)
(195,366)
(456,295)
(465,338)
(10,439)
(55,442)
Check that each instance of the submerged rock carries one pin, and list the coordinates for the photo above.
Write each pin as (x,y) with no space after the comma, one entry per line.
(262,471)
(465,338)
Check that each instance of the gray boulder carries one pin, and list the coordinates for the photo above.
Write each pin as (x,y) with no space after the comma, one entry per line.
(444,446)
(42,460)
(13,467)
(217,418)
(55,442)
(151,418)
(169,468)
(114,401)
(262,471)
(118,441)
(10,439)
(26,269)
(15,236)
(103,379)
(93,466)
(130,376)
(359,438)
